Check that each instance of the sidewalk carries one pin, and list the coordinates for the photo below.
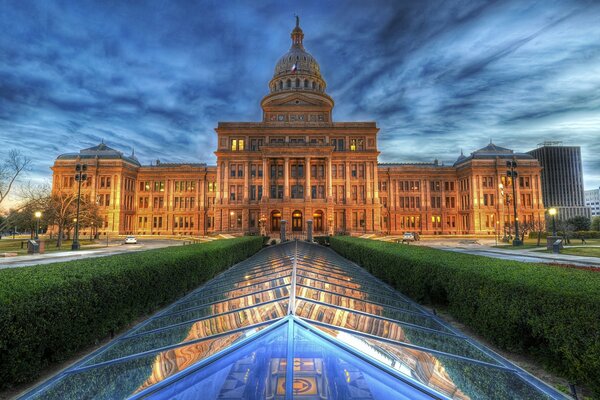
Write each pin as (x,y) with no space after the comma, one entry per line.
(67,255)
(484,247)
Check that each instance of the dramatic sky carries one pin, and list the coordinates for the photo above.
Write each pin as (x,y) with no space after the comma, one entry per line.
(437,76)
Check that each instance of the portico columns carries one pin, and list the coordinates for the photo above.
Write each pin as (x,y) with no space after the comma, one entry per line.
(286,178)
(307,194)
(329,180)
(265,180)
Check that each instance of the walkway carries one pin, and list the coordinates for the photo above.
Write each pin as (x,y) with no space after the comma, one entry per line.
(294,310)
(115,247)
(485,247)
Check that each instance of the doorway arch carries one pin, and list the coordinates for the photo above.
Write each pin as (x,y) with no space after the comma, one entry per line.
(318,221)
(275,220)
(297,221)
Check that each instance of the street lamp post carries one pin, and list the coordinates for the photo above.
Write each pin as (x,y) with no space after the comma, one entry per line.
(38,215)
(552,211)
(80,176)
(512,174)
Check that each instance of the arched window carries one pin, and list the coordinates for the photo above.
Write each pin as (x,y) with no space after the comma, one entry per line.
(297,82)
(289,83)
(313,84)
(280,85)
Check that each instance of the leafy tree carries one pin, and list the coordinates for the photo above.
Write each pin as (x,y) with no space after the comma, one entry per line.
(596,224)
(580,223)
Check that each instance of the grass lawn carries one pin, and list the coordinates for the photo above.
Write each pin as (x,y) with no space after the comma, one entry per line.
(579,251)
(14,245)
(532,244)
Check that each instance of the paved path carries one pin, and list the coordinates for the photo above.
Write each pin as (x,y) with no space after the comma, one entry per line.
(115,247)
(527,256)
(484,247)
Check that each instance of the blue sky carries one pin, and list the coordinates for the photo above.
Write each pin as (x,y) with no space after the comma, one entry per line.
(437,76)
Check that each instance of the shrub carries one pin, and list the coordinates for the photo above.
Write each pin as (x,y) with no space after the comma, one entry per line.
(49,312)
(550,312)
(322,240)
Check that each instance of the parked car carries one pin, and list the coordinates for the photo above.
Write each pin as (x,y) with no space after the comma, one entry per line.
(130,240)
(410,237)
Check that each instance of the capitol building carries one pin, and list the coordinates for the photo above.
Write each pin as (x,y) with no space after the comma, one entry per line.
(299,165)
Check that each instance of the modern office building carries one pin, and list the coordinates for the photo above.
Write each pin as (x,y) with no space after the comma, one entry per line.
(297,164)
(562,179)
(592,200)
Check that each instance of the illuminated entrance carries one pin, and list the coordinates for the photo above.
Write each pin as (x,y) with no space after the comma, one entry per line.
(318,221)
(275,221)
(297,221)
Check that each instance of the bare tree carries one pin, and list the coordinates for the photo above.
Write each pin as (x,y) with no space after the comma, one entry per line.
(13,166)
(539,227)
(32,198)
(60,212)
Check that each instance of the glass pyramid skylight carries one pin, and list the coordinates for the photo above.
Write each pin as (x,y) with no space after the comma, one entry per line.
(296,311)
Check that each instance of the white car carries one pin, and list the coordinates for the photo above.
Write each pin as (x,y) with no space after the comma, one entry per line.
(410,237)
(130,240)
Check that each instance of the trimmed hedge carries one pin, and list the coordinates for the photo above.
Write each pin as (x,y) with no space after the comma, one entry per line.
(49,312)
(552,313)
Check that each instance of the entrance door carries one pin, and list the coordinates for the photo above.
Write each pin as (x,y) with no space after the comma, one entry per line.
(297,221)
(275,221)
(318,221)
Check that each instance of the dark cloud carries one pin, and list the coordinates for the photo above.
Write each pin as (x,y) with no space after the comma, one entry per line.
(437,76)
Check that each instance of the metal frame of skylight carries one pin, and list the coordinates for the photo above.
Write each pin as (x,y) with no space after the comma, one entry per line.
(291,320)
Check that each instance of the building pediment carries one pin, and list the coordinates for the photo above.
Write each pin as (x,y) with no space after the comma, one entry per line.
(294,100)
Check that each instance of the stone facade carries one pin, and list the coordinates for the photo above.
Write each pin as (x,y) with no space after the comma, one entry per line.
(298,165)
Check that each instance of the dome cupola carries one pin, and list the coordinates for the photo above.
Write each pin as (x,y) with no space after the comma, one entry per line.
(297,69)
(297,89)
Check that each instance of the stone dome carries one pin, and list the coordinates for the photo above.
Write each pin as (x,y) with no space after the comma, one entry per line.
(304,61)
(297,69)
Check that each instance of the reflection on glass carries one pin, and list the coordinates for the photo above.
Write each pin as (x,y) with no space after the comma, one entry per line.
(370,308)
(452,377)
(255,371)
(389,330)
(225,294)
(121,380)
(193,331)
(323,290)
(324,371)
(217,308)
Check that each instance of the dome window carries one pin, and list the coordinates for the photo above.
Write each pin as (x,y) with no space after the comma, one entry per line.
(306,83)
(297,82)
(289,83)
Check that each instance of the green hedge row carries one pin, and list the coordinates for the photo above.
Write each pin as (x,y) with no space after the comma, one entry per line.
(49,312)
(552,313)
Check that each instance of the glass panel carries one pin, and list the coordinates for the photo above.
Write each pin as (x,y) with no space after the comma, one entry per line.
(193,331)
(325,371)
(228,294)
(247,282)
(255,371)
(217,308)
(457,379)
(123,379)
(390,330)
(325,289)
(370,308)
